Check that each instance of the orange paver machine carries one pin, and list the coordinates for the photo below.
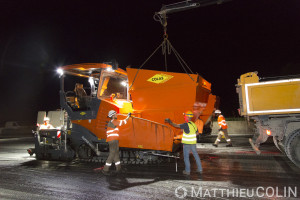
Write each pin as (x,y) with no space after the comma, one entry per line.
(89,91)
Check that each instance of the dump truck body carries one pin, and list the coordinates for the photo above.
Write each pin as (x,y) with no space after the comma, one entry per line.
(275,107)
(269,97)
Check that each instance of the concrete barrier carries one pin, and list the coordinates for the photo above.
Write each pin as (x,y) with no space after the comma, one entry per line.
(236,128)
(16,133)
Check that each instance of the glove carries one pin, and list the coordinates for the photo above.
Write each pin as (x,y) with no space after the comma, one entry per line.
(167,120)
(129,114)
(219,129)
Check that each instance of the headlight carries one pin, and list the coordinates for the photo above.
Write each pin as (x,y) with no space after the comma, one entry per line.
(60,71)
(109,69)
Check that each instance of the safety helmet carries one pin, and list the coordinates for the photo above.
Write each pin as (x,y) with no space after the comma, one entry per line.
(111,113)
(189,113)
(218,112)
(46,119)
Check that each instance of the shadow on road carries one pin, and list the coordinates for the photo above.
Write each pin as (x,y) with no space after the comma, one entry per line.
(120,182)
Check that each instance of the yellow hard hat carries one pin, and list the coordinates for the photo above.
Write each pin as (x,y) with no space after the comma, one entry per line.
(189,113)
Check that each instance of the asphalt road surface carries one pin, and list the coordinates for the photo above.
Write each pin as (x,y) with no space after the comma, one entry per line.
(229,173)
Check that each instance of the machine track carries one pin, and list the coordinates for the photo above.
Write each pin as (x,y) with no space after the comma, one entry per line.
(134,157)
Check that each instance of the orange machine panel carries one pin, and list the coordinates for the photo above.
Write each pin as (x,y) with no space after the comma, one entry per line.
(145,134)
(98,126)
(161,90)
(158,95)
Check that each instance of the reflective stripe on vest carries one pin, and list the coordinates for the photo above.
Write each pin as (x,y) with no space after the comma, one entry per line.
(222,122)
(112,134)
(122,121)
(190,138)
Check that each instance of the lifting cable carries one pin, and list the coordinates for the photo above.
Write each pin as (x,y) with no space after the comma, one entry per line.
(146,62)
(181,61)
(167,48)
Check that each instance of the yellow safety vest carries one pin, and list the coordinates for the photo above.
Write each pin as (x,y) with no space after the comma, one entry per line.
(191,137)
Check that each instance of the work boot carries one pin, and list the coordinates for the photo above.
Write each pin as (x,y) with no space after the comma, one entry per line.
(106,168)
(118,168)
(186,173)
(215,145)
(199,172)
(105,172)
(229,145)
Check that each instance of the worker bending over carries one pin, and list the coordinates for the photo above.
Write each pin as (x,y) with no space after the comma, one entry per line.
(112,135)
(222,130)
(189,141)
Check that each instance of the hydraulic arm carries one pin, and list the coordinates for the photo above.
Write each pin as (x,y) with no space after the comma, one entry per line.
(182,6)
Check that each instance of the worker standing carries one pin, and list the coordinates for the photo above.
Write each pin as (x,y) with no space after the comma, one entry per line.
(189,140)
(222,130)
(112,135)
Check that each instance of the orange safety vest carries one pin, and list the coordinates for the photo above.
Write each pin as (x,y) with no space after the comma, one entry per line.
(222,122)
(112,132)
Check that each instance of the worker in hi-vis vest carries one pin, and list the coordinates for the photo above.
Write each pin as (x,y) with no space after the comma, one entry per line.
(222,130)
(112,135)
(189,141)
(46,124)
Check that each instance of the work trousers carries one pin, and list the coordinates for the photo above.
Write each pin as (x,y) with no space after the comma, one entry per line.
(113,156)
(220,134)
(187,148)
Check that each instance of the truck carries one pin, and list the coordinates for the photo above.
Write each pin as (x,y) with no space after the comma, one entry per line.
(273,104)
(89,91)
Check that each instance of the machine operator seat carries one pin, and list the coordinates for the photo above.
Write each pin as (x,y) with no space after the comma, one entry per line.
(80,95)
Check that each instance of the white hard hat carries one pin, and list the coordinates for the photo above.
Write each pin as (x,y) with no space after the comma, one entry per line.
(111,113)
(218,111)
(46,119)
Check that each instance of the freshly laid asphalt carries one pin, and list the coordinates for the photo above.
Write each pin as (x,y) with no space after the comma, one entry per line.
(228,173)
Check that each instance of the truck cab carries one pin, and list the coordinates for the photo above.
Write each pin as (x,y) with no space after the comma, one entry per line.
(83,87)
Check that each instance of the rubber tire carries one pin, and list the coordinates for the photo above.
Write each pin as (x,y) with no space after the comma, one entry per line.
(292,147)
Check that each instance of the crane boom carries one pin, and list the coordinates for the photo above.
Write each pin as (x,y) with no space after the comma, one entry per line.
(186,5)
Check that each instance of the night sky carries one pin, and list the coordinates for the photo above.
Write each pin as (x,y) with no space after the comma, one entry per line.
(219,42)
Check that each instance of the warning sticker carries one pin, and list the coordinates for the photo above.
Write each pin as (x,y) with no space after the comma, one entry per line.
(160,78)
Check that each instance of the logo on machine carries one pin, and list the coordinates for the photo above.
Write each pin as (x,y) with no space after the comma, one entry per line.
(160,78)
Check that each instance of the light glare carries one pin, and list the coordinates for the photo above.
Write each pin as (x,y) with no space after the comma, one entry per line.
(109,69)
(124,83)
(91,80)
(60,71)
